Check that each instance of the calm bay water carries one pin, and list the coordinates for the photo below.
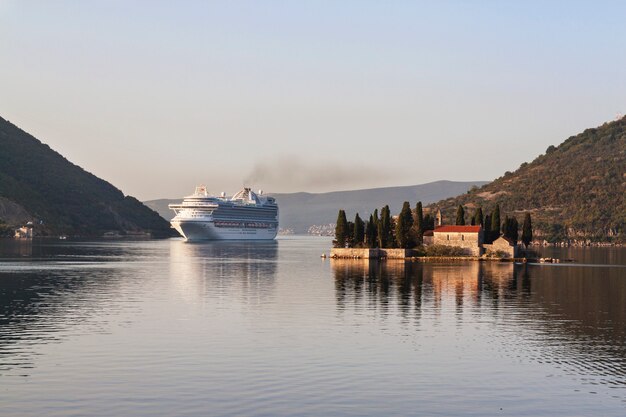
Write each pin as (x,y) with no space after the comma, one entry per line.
(270,329)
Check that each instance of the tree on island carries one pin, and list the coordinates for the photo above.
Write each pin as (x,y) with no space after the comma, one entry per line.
(403,226)
(385,235)
(358,233)
(349,235)
(429,222)
(341,230)
(510,228)
(370,233)
(495,224)
(527,231)
(514,233)
(487,229)
(478,217)
(418,224)
(460,216)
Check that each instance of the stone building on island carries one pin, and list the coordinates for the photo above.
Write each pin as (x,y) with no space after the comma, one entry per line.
(502,245)
(470,238)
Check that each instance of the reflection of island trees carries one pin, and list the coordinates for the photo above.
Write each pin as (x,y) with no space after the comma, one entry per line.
(415,284)
(573,315)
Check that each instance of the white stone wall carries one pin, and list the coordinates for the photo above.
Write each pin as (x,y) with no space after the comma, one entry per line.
(353,253)
(359,253)
(396,253)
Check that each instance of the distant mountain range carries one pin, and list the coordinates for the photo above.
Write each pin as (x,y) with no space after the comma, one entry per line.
(299,211)
(575,191)
(38,184)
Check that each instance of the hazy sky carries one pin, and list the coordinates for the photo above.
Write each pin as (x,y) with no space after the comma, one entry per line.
(157,97)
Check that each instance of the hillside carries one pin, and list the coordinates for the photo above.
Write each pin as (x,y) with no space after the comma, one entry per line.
(299,211)
(38,184)
(575,191)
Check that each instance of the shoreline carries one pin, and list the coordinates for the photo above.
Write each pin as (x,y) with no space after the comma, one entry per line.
(377,254)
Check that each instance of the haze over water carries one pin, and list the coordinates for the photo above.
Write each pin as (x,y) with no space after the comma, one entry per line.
(269,329)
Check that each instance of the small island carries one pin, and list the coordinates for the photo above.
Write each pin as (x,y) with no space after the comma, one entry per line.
(413,235)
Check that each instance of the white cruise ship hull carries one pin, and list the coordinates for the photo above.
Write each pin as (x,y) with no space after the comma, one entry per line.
(198,230)
(245,216)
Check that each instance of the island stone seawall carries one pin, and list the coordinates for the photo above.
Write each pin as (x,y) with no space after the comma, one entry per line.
(371,253)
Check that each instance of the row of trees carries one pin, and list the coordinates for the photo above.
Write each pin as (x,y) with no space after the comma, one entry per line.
(493,227)
(382,231)
(407,230)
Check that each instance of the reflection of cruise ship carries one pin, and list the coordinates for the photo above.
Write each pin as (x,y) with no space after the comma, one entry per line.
(244,216)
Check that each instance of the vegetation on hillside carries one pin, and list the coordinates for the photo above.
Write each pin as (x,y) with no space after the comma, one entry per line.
(62,197)
(575,191)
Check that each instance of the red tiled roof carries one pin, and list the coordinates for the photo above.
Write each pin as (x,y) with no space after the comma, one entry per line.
(428,233)
(457,229)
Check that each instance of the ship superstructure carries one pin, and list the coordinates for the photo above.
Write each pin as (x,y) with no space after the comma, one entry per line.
(246,216)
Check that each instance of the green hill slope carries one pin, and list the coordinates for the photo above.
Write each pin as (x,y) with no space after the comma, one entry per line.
(576,191)
(37,183)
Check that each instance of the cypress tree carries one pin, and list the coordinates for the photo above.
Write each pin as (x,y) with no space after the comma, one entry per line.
(358,234)
(460,216)
(341,230)
(385,236)
(495,224)
(367,237)
(478,217)
(429,222)
(527,231)
(419,216)
(370,233)
(349,235)
(375,223)
(487,229)
(380,229)
(514,234)
(510,228)
(506,225)
(418,224)
(403,226)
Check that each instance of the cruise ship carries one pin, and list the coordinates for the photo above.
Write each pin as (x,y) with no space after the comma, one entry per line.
(244,216)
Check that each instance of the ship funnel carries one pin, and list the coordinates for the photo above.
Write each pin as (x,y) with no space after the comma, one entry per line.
(260,192)
(223,194)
